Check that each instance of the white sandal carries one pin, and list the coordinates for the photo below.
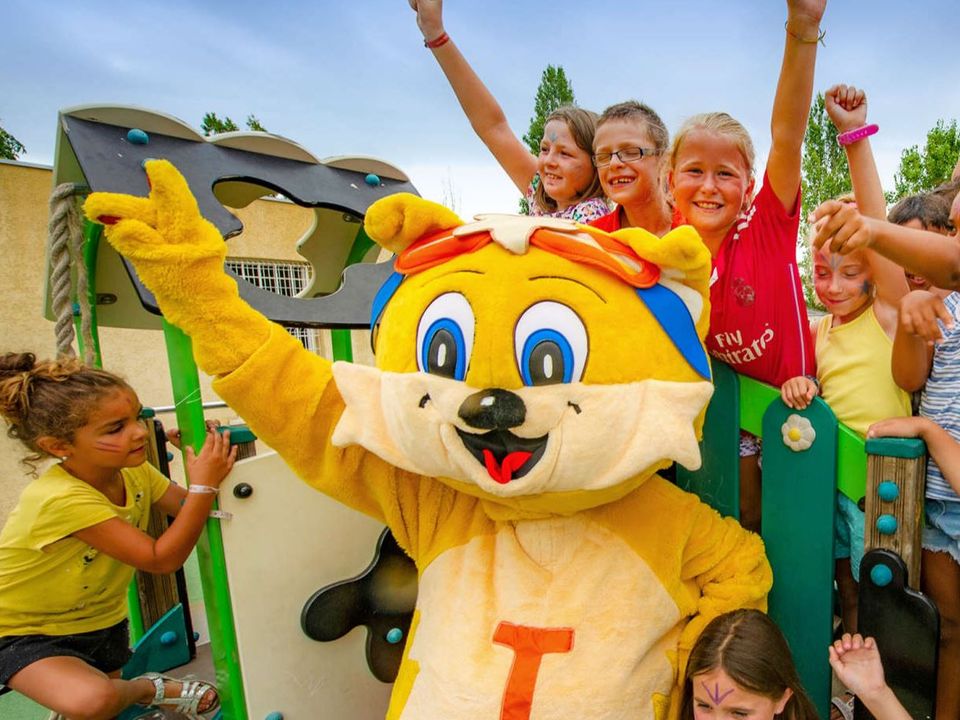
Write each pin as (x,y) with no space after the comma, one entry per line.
(192,693)
(844,705)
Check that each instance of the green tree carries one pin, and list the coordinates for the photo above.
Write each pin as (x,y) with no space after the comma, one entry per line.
(254,124)
(922,170)
(213,125)
(10,147)
(553,92)
(824,175)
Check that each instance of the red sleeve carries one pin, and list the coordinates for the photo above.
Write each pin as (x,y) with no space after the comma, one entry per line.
(773,224)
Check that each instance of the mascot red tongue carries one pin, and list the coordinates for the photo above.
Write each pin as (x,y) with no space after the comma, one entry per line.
(503,472)
(567,579)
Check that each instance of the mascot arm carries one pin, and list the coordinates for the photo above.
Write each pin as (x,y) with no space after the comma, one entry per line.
(179,256)
(729,566)
(284,392)
(287,396)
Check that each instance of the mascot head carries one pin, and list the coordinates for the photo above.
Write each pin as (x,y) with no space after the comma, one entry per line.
(541,365)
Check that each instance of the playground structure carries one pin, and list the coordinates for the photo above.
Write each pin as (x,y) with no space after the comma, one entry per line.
(279,541)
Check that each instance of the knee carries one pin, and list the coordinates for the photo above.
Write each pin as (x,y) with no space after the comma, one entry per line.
(94,701)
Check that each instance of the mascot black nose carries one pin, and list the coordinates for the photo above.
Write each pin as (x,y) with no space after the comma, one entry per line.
(493,409)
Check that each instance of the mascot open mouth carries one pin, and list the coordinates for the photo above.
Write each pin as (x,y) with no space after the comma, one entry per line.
(506,456)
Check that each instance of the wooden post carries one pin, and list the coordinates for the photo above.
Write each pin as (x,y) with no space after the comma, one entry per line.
(896,474)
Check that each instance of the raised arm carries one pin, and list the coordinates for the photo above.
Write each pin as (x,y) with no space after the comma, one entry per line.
(481,108)
(922,252)
(857,664)
(167,553)
(791,105)
(847,108)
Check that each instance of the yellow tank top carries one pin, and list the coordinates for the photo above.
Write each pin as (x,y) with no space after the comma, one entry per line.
(853,366)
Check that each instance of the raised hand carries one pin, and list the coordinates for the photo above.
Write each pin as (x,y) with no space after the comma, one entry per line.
(846,106)
(179,257)
(840,228)
(165,226)
(429,17)
(806,10)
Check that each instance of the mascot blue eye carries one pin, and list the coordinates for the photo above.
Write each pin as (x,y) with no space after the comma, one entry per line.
(551,345)
(445,337)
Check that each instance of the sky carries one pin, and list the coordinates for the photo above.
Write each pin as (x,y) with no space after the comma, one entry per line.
(353,77)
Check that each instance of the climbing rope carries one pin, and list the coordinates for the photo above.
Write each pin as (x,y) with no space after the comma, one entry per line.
(66,256)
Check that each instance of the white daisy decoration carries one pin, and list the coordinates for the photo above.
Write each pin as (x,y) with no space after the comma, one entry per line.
(798,433)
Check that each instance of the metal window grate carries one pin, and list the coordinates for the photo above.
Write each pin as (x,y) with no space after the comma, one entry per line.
(283,278)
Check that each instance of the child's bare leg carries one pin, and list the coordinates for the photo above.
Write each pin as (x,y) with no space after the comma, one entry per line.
(72,688)
(77,691)
(750,492)
(940,577)
(849,591)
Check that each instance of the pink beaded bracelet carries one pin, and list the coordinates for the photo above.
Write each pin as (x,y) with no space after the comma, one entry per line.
(852,136)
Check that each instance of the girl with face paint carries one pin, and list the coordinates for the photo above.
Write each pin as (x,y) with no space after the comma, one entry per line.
(559,181)
(741,667)
(861,291)
(69,548)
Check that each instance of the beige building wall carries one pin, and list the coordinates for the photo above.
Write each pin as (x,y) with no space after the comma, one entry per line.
(271,230)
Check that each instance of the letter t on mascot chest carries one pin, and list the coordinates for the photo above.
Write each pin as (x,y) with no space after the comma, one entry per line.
(532,377)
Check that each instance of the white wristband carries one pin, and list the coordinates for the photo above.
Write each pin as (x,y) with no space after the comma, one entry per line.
(203,489)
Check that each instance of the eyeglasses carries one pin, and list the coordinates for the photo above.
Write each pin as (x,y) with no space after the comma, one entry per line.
(625,155)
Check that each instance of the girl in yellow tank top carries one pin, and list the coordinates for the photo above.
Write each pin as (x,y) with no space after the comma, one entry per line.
(854,343)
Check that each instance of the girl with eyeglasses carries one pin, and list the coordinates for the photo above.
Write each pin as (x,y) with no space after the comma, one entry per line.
(758,318)
(561,181)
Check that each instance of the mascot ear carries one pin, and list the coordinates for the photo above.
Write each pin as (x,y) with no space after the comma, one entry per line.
(396,221)
(684,263)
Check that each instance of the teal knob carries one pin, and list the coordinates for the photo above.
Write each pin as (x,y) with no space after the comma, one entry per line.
(274,716)
(881,575)
(372,180)
(169,456)
(136,136)
(394,635)
(168,638)
(887,524)
(888,491)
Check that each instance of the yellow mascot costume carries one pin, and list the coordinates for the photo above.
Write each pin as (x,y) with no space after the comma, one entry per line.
(532,377)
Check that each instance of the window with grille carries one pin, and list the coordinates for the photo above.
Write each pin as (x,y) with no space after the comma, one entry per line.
(283,278)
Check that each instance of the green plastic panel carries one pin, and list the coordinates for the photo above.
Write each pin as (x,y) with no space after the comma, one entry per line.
(799,497)
(851,464)
(717,482)
(755,398)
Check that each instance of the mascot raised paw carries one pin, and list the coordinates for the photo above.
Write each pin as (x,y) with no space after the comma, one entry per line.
(532,377)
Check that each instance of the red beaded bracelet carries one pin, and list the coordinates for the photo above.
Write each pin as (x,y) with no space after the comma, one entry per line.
(852,136)
(437,42)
